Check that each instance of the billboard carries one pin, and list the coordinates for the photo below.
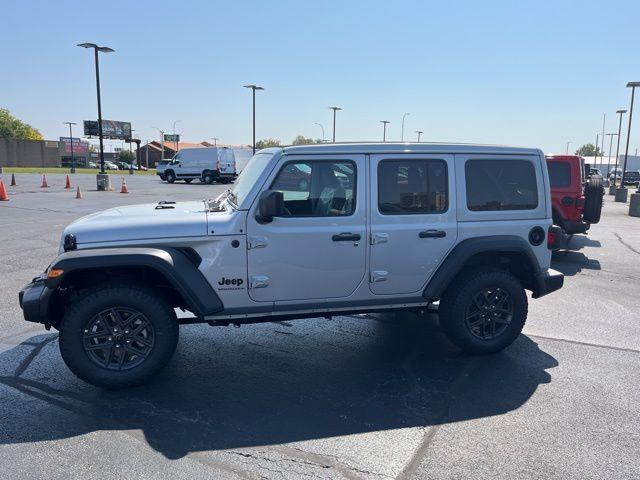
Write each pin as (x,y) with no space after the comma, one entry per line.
(171,138)
(79,146)
(110,129)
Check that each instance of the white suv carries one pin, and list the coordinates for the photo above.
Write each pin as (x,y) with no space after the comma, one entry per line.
(307,231)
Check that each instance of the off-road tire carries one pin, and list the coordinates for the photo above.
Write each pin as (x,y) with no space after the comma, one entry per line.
(170,176)
(458,298)
(208,177)
(163,178)
(594,194)
(224,180)
(80,315)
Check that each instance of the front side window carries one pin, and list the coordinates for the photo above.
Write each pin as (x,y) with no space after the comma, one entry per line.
(500,185)
(559,174)
(412,186)
(317,188)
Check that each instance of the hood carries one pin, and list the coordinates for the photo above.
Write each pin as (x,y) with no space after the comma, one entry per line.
(141,222)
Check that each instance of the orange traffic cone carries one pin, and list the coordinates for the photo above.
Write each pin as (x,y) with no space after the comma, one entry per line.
(13,180)
(67,184)
(3,192)
(44,181)
(78,192)
(124,188)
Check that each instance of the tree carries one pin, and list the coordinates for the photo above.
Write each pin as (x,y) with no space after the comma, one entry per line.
(11,127)
(588,150)
(267,142)
(302,140)
(126,156)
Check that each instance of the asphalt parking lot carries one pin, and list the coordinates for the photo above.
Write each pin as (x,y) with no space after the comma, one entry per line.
(366,396)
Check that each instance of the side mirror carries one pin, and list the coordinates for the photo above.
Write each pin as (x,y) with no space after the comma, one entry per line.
(270,205)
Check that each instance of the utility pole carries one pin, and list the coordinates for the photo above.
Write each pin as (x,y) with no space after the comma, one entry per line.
(615,172)
(633,86)
(610,135)
(215,141)
(384,129)
(335,109)
(73,161)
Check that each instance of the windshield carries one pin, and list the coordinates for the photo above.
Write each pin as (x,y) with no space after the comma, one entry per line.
(248,177)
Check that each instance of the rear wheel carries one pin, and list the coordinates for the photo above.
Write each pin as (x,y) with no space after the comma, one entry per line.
(484,311)
(224,180)
(118,336)
(593,193)
(207,177)
(170,176)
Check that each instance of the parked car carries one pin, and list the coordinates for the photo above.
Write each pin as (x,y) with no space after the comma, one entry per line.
(615,173)
(109,165)
(632,177)
(122,165)
(576,201)
(412,224)
(92,165)
(209,164)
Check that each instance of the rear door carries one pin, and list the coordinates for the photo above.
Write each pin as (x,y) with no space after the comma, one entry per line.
(413,220)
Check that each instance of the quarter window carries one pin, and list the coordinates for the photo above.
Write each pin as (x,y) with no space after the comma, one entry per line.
(501,185)
(559,174)
(412,187)
(317,188)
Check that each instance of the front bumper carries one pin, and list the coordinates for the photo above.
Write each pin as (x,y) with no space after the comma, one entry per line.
(34,300)
(548,282)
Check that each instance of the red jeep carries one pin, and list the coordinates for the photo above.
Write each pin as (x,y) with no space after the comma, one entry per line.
(576,198)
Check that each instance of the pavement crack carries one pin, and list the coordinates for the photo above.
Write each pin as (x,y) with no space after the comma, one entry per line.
(626,244)
(33,354)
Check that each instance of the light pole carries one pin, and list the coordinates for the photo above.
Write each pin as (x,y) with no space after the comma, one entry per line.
(595,152)
(604,118)
(567,152)
(610,135)
(335,109)
(384,129)
(321,128)
(633,86)
(175,139)
(131,152)
(254,88)
(419,132)
(402,133)
(73,160)
(615,172)
(161,143)
(215,141)
(102,178)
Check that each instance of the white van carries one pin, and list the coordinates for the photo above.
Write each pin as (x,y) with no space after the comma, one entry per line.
(208,164)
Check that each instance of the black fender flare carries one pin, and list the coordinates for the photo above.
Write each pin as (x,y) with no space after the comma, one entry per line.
(463,251)
(180,269)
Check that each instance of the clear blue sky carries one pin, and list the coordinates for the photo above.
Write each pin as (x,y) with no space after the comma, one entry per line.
(532,73)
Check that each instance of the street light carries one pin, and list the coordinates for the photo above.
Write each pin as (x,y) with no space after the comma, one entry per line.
(73,161)
(384,129)
(335,109)
(402,134)
(419,132)
(131,153)
(254,88)
(633,86)
(568,143)
(595,152)
(610,135)
(215,141)
(175,139)
(615,172)
(322,128)
(102,178)
(161,142)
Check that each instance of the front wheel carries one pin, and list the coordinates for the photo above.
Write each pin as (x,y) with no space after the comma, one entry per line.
(170,176)
(118,336)
(484,311)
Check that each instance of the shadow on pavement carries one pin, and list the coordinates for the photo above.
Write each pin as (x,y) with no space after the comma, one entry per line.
(276,383)
(571,263)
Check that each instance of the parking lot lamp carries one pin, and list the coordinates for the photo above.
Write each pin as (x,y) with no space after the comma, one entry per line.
(384,129)
(567,152)
(615,171)
(402,131)
(595,151)
(102,185)
(335,109)
(254,88)
(73,161)
(419,132)
(610,135)
(175,139)
(321,128)
(633,86)
(215,141)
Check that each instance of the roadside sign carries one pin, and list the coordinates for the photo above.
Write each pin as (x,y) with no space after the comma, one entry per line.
(110,129)
(171,138)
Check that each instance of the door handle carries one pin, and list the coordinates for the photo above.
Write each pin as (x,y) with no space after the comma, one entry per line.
(346,237)
(432,234)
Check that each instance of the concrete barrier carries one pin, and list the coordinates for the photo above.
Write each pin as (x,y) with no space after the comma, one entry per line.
(634,205)
(621,195)
(612,189)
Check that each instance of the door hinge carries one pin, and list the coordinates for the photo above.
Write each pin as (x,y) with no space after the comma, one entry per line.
(257,242)
(259,281)
(378,276)
(379,238)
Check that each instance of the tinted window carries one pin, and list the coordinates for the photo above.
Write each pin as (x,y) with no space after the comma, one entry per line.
(501,185)
(318,188)
(559,174)
(412,186)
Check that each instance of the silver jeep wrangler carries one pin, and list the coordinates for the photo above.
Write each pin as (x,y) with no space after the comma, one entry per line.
(307,231)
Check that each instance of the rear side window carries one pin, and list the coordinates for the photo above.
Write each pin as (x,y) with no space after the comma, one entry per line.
(412,186)
(500,185)
(559,174)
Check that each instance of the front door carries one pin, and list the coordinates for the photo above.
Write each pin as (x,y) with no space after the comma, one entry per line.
(413,220)
(317,249)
